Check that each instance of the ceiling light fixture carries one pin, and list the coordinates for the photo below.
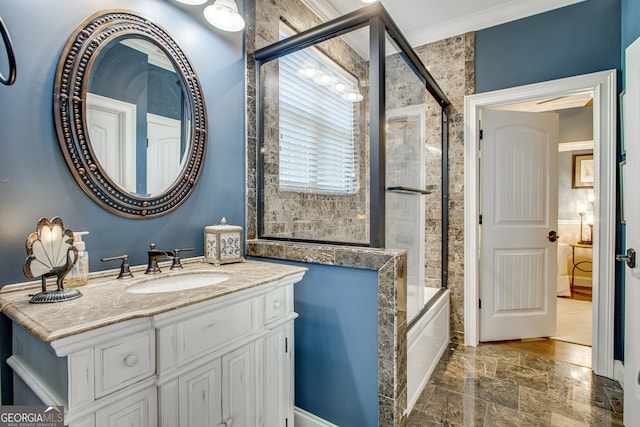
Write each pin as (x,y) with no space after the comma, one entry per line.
(224,14)
(369,1)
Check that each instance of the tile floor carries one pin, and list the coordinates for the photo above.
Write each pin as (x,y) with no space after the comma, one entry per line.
(492,386)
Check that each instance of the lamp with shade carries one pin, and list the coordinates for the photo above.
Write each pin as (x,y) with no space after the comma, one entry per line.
(590,224)
(581,209)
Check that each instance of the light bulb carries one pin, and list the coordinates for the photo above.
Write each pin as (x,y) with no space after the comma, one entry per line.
(308,72)
(353,96)
(322,79)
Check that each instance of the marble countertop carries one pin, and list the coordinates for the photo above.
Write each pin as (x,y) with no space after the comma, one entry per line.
(105,300)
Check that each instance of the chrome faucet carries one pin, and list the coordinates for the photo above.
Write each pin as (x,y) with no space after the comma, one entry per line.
(155,255)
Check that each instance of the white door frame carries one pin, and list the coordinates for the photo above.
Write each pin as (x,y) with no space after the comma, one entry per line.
(603,85)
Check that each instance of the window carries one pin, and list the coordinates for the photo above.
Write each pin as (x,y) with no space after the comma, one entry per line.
(317,125)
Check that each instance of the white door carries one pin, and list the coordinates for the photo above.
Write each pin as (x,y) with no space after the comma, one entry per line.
(632,217)
(163,152)
(112,129)
(519,206)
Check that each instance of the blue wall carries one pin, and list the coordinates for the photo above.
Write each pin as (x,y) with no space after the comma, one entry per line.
(630,26)
(578,39)
(34,179)
(336,344)
(630,21)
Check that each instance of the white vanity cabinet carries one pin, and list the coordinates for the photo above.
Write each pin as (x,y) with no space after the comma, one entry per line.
(104,377)
(217,361)
(226,361)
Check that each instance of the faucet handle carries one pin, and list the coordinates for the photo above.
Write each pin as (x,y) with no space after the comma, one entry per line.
(125,272)
(176,258)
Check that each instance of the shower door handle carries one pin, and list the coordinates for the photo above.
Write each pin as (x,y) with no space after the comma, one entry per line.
(410,190)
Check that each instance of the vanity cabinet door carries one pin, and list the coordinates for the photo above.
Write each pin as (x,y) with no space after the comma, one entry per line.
(278,376)
(200,396)
(239,387)
(137,410)
(221,392)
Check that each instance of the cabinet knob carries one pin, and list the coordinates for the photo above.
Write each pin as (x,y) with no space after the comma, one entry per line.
(277,303)
(130,359)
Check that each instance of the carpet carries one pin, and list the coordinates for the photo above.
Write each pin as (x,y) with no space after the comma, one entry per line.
(573,321)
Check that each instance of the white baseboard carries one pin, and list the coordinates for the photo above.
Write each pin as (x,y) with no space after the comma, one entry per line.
(303,418)
(618,372)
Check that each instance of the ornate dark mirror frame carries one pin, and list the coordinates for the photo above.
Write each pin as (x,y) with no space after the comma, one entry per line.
(71,82)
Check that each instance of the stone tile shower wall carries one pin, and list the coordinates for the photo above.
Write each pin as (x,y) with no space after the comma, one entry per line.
(310,215)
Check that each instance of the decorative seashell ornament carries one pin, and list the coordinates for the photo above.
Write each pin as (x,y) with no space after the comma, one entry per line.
(51,253)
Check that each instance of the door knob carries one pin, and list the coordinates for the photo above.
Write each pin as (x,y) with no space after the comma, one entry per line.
(629,258)
(553,236)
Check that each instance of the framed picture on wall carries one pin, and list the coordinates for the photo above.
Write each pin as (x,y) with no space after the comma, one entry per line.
(583,172)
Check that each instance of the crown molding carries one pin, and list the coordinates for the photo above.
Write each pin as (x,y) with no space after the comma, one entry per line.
(505,12)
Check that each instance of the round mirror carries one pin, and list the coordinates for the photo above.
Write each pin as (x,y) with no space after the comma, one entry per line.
(130,115)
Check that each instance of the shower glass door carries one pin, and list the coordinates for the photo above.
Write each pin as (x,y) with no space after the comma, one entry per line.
(405,171)
(405,207)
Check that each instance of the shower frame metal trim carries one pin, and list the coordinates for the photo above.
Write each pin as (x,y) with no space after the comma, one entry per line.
(380,24)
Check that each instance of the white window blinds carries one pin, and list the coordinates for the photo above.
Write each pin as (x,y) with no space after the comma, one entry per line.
(317,127)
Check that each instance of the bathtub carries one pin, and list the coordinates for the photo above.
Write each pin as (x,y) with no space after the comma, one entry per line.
(427,339)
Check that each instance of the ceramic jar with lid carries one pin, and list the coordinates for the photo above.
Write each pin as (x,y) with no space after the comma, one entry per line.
(223,243)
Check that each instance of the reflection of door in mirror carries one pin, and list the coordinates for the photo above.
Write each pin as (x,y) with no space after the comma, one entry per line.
(163,152)
(112,129)
(137,72)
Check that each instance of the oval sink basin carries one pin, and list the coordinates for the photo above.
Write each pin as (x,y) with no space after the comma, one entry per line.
(179,282)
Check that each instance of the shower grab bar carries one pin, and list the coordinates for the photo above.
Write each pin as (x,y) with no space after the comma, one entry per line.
(8,81)
(409,190)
